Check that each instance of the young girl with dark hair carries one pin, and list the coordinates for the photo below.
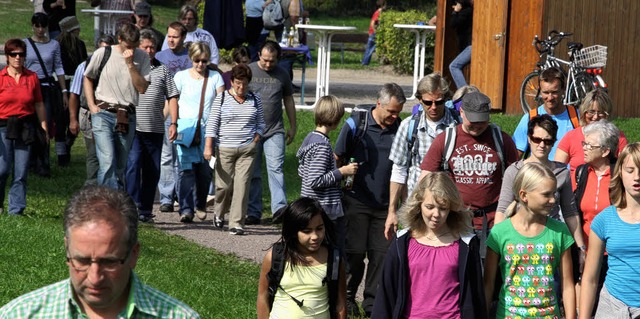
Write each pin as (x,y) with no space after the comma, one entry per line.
(304,290)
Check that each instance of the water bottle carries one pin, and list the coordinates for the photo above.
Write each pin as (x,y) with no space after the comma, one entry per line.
(348,182)
(291,35)
(296,38)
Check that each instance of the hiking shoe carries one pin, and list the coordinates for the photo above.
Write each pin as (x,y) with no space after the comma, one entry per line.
(201,214)
(166,208)
(186,217)
(146,218)
(252,220)
(236,231)
(217,222)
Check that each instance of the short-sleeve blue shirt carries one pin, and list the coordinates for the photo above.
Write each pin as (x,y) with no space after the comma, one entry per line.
(622,244)
(520,135)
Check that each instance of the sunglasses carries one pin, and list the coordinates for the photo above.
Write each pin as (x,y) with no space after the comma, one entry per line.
(429,103)
(15,54)
(201,61)
(538,140)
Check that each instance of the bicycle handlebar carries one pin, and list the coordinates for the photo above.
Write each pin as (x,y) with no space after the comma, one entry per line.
(553,38)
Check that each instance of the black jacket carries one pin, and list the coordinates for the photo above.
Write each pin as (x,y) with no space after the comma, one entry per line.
(391,297)
(463,23)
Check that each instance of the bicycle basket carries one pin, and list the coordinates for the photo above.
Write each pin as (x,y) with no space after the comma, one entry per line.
(594,56)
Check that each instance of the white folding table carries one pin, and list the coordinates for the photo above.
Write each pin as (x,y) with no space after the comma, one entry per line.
(110,24)
(419,53)
(325,33)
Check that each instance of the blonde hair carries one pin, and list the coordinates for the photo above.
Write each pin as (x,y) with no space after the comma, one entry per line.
(464,90)
(528,179)
(199,48)
(599,97)
(445,193)
(616,188)
(328,111)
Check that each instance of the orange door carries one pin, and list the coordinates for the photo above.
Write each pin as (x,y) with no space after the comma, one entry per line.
(488,48)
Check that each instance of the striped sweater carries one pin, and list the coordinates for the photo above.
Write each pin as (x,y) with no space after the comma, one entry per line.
(320,176)
(234,124)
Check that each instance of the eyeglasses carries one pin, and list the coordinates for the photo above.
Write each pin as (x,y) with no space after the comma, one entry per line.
(106,264)
(429,103)
(538,140)
(597,113)
(200,61)
(15,54)
(590,147)
(144,16)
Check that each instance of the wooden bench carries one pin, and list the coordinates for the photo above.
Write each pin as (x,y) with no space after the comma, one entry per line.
(339,40)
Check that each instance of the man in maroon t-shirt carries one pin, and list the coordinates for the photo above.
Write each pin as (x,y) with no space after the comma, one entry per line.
(475,165)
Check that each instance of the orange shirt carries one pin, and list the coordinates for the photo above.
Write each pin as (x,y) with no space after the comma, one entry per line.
(595,199)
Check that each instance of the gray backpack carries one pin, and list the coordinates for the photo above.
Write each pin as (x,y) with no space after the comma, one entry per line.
(273,16)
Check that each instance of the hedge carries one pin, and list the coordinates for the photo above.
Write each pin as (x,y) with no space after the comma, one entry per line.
(396,46)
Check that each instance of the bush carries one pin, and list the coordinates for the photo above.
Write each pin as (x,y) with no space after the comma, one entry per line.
(396,46)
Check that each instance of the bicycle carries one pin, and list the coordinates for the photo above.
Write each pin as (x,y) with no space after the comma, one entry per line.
(583,74)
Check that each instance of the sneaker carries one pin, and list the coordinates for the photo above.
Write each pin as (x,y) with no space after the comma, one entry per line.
(236,231)
(146,218)
(252,220)
(217,222)
(201,214)
(186,217)
(166,208)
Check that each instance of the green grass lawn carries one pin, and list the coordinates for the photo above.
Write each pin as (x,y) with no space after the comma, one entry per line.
(216,285)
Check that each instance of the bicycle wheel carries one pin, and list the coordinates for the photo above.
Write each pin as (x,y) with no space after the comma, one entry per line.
(530,91)
(583,84)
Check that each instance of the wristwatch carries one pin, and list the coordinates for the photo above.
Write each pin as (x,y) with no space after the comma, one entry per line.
(176,124)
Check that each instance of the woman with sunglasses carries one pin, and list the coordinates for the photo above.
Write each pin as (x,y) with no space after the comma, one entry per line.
(596,106)
(542,132)
(194,174)
(20,106)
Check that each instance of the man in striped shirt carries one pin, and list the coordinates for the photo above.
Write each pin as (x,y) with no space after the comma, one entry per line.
(143,165)
(102,248)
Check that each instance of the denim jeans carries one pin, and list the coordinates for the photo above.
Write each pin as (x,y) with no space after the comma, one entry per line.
(273,149)
(143,169)
(168,168)
(112,148)
(14,154)
(456,66)
(194,181)
(368,51)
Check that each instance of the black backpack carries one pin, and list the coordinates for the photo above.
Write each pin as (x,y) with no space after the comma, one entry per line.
(277,270)
(358,123)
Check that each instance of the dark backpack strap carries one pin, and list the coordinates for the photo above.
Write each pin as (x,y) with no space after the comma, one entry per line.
(581,175)
(499,142)
(277,269)
(44,68)
(103,62)
(412,132)
(332,279)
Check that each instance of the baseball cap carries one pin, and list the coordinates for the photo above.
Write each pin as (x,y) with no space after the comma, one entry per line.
(476,107)
(143,9)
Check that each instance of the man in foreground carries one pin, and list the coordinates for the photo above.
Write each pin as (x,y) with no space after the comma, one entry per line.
(101,243)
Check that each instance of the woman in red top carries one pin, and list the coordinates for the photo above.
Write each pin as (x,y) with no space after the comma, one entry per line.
(20,101)
(596,106)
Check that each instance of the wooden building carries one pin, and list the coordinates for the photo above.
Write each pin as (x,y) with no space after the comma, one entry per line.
(502,51)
